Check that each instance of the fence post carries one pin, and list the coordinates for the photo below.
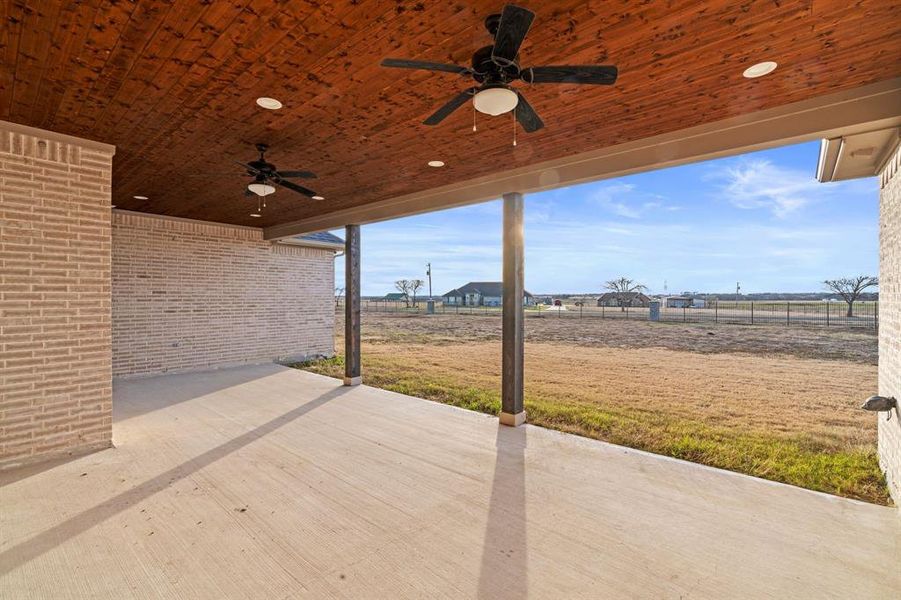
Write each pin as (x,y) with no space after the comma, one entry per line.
(827,313)
(716,312)
(752,312)
(602,311)
(876,316)
(683,313)
(788,313)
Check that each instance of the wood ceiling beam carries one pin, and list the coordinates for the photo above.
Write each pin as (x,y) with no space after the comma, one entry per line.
(859,109)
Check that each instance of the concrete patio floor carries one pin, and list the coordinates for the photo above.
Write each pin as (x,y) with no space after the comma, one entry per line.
(267,482)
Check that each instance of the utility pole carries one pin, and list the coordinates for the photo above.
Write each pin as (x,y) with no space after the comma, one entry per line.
(428,271)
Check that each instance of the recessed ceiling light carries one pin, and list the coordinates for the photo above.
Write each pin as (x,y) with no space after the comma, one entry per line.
(760,69)
(255,215)
(318,197)
(436,163)
(140,197)
(269,103)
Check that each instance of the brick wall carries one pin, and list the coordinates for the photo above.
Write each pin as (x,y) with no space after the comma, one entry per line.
(55,383)
(890,321)
(192,295)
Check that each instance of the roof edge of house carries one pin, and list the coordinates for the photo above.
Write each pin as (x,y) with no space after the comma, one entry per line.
(311,243)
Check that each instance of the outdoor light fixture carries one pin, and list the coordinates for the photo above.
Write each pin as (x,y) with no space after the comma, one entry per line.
(495,100)
(760,69)
(269,103)
(261,189)
(140,197)
(436,163)
(318,197)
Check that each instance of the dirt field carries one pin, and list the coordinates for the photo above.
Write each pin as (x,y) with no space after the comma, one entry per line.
(774,402)
(841,344)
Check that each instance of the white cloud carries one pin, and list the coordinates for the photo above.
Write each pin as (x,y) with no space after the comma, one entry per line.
(759,184)
(626,200)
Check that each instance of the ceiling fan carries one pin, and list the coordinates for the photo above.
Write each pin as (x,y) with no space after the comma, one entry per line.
(495,67)
(265,172)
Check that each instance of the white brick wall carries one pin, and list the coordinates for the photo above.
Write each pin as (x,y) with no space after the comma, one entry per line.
(890,320)
(55,383)
(192,295)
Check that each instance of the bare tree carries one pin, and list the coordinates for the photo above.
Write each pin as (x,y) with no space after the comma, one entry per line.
(339,291)
(415,286)
(850,288)
(623,288)
(403,286)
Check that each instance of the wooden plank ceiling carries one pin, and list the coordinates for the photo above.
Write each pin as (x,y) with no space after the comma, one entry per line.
(173,83)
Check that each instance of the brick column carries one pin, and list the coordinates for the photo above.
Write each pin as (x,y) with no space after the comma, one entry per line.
(890,320)
(55,349)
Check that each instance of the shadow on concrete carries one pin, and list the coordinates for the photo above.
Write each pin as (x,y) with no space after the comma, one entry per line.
(24,472)
(47,540)
(505,558)
(189,386)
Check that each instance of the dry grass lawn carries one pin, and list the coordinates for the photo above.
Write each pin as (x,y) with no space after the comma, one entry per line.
(754,400)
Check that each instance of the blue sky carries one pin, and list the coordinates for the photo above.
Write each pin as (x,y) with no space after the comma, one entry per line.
(760,218)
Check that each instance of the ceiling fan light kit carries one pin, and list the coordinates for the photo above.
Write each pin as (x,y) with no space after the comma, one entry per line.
(494,68)
(261,189)
(265,174)
(495,100)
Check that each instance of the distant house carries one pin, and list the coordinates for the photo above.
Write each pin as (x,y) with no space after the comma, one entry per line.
(684,302)
(393,297)
(481,293)
(624,299)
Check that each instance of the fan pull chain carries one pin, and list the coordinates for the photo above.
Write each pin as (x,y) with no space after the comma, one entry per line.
(474,117)
(514,125)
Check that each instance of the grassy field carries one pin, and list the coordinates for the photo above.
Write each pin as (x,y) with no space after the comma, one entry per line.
(773,402)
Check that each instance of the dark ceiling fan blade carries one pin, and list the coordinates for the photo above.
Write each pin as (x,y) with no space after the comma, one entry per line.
(527,116)
(300,174)
(403,63)
(511,31)
(248,167)
(454,103)
(294,187)
(210,174)
(247,192)
(588,74)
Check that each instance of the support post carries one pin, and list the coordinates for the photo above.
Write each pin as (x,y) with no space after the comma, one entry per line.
(352,373)
(512,411)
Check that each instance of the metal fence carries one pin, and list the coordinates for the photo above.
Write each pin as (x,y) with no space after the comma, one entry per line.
(766,312)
